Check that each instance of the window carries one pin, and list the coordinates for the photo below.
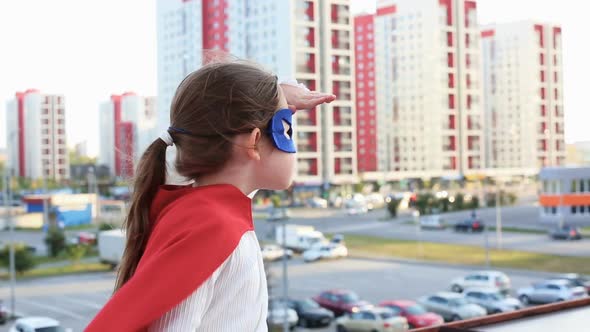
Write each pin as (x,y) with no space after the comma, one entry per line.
(574,209)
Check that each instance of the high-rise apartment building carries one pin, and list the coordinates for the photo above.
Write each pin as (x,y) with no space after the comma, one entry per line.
(307,40)
(428,107)
(127,127)
(36,136)
(523,93)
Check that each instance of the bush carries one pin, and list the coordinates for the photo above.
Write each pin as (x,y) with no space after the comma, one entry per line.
(276,201)
(23,258)
(105,226)
(474,204)
(76,252)
(56,241)
(459,203)
(392,207)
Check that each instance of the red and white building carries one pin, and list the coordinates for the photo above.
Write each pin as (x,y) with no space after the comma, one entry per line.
(189,33)
(36,136)
(307,40)
(523,94)
(429,111)
(311,41)
(127,126)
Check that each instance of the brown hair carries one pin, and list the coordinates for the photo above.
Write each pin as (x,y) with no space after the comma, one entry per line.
(211,105)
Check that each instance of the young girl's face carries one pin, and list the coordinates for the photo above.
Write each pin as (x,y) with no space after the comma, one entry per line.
(277,168)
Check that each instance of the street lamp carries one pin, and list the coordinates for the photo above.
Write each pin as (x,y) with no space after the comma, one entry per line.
(8,202)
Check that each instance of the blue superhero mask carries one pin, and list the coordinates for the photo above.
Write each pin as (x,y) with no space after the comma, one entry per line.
(276,131)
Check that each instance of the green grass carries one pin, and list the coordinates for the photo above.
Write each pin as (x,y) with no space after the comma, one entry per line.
(93,252)
(463,255)
(585,229)
(519,230)
(62,270)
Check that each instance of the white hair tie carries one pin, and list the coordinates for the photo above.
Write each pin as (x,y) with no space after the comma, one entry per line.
(165,136)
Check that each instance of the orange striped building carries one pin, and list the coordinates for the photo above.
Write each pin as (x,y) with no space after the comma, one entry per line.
(565,193)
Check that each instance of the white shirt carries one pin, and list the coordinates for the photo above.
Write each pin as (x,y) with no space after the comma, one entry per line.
(234,298)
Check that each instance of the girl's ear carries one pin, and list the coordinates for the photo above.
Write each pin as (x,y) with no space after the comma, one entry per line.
(253,141)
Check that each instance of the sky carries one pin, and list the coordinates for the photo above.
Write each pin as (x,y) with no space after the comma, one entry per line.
(88,50)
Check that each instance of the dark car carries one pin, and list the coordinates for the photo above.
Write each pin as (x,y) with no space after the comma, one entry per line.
(577,280)
(3,313)
(310,313)
(469,225)
(566,233)
(416,315)
(340,301)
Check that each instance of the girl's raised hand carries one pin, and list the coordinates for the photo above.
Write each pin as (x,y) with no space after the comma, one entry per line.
(300,98)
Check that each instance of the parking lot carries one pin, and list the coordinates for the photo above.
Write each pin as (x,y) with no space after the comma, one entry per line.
(74,300)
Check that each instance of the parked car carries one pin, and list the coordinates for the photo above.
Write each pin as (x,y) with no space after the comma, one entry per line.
(371,320)
(375,201)
(337,239)
(4,314)
(432,222)
(550,291)
(278,214)
(416,314)
(276,314)
(325,251)
(566,232)
(492,300)
(87,238)
(273,252)
(310,313)
(482,279)
(577,280)
(317,202)
(340,301)
(469,225)
(34,324)
(451,306)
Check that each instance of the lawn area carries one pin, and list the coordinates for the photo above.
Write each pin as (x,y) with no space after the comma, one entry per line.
(519,230)
(62,270)
(463,254)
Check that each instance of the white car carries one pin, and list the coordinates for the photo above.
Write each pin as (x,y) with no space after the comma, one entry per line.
(276,314)
(550,291)
(482,279)
(432,222)
(272,252)
(34,324)
(325,251)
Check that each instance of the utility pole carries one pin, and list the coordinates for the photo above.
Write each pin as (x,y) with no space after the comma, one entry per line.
(8,212)
(498,216)
(285,278)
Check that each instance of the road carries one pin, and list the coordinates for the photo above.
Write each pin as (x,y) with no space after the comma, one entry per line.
(74,300)
(373,224)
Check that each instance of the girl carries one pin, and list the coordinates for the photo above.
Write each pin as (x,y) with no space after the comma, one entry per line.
(192,260)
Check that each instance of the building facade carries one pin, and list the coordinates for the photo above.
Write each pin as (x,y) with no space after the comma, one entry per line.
(307,40)
(429,110)
(565,195)
(127,126)
(523,94)
(189,33)
(36,136)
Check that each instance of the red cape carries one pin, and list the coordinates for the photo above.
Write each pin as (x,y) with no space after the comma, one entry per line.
(196,230)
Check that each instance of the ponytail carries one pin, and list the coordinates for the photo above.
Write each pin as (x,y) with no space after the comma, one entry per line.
(151,173)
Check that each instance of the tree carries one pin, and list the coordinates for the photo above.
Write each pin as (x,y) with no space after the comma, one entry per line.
(55,240)
(76,252)
(23,258)
(392,207)
(76,159)
(459,203)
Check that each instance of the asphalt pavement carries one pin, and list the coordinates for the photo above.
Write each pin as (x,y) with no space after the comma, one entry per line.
(75,299)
